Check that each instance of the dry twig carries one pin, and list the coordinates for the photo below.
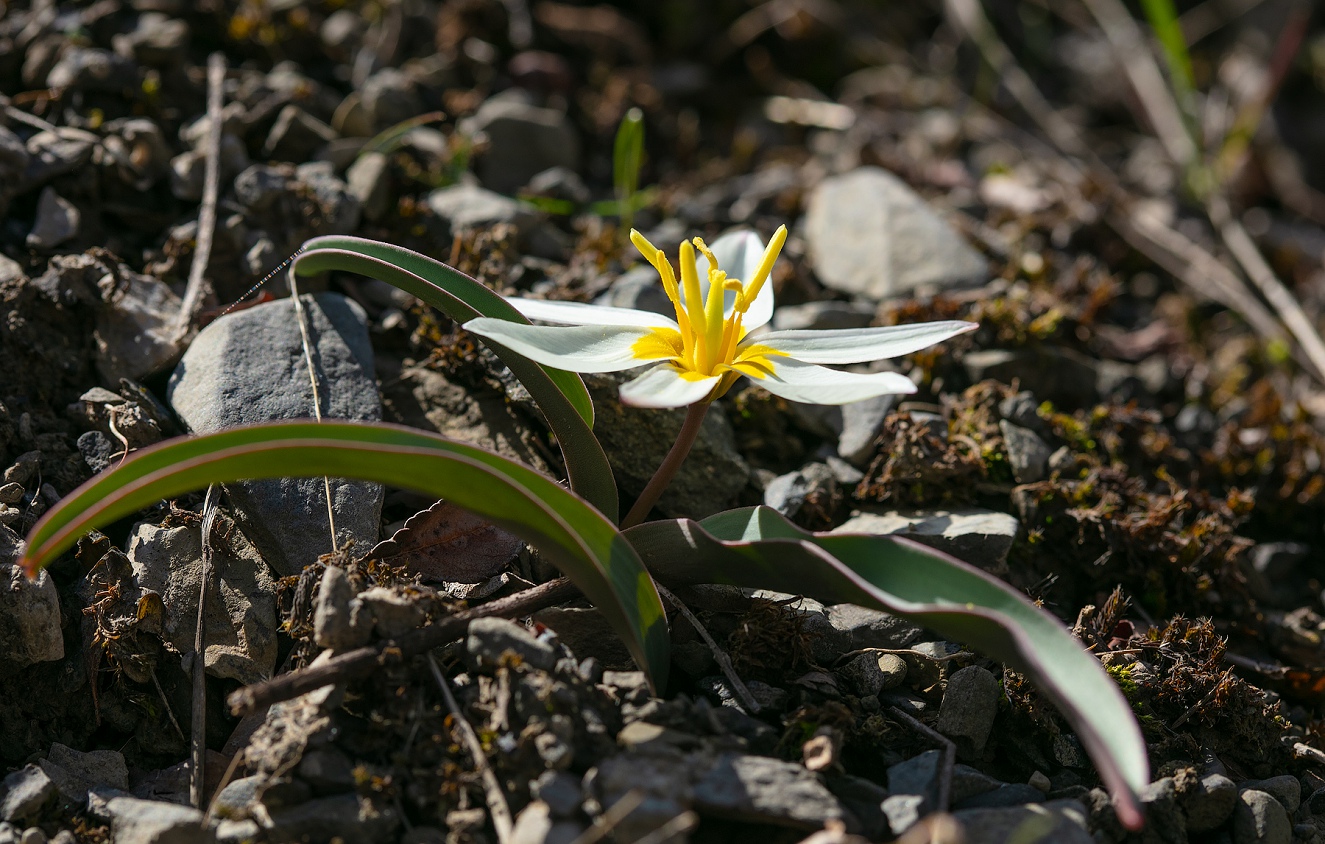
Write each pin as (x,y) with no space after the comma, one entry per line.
(724,661)
(362,662)
(196,289)
(199,721)
(492,793)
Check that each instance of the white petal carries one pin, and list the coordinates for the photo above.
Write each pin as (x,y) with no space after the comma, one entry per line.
(665,386)
(805,382)
(856,345)
(578,313)
(577,348)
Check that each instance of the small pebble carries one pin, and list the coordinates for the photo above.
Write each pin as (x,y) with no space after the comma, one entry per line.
(1040,782)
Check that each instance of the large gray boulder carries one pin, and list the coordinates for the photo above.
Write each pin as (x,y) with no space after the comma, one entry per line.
(870,235)
(249,367)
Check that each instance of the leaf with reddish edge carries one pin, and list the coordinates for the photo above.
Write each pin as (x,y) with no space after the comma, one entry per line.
(561,396)
(757,547)
(449,543)
(575,536)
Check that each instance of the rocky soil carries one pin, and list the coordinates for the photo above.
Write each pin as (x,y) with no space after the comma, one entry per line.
(1122,439)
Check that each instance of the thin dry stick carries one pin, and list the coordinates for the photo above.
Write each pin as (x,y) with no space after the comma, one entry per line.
(615,814)
(690,429)
(235,762)
(302,317)
(362,662)
(211,189)
(679,825)
(946,760)
(1181,257)
(492,793)
(170,713)
(199,725)
(1124,34)
(724,661)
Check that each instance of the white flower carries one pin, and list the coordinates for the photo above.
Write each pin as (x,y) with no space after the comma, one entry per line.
(707,348)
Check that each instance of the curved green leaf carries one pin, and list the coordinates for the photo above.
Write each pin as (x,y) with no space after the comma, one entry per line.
(576,537)
(757,547)
(561,395)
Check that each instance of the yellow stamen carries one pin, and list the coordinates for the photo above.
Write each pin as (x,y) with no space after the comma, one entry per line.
(694,304)
(713,321)
(753,284)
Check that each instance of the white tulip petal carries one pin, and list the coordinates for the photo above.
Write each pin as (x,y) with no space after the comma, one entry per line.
(576,348)
(667,386)
(578,313)
(804,382)
(857,345)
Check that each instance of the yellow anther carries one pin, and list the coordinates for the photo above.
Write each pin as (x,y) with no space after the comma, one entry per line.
(694,303)
(765,266)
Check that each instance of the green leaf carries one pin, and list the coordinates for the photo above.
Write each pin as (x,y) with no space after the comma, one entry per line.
(756,547)
(561,395)
(573,535)
(628,155)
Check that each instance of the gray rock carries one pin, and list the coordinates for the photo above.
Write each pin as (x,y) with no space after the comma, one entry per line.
(788,493)
(339,621)
(134,821)
(522,141)
(296,135)
(54,153)
(980,537)
(240,622)
(967,782)
(536,825)
(157,40)
(249,367)
(92,69)
(869,234)
(871,673)
(1165,821)
(327,770)
(340,209)
(1027,452)
(491,638)
(388,96)
(852,628)
(1006,794)
(1210,803)
(560,791)
(917,776)
(345,816)
(57,221)
(903,810)
(970,703)
(1059,821)
(394,613)
(861,423)
(1269,568)
(25,793)
(638,288)
(369,180)
(424,398)
(466,206)
(637,439)
(664,780)
(259,186)
(1059,375)
(94,768)
(1285,788)
(32,835)
(238,797)
(237,832)
(823,315)
(1259,818)
(13,157)
(29,610)
(762,789)
(97,449)
(136,336)
(561,183)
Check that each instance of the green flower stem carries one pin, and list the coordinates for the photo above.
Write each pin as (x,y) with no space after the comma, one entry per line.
(684,440)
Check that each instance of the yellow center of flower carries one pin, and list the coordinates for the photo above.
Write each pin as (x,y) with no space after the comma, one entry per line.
(709,340)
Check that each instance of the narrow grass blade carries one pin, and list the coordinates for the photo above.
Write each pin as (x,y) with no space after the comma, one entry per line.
(561,395)
(756,547)
(573,535)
